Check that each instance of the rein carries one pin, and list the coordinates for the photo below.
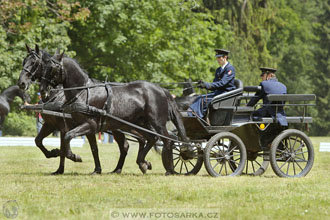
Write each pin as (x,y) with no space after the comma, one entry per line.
(87,87)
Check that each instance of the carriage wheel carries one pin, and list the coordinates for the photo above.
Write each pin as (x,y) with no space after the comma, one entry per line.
(292,154)
(255,164)
(187,161)
(225,155)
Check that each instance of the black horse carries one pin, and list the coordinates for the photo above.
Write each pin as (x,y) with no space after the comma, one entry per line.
(140,103)
(122,141)
(6,97)
(32,71)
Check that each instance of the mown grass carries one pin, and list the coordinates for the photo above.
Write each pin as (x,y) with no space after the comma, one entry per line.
(25,177)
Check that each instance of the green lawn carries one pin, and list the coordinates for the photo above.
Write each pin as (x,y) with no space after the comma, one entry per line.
(25,177)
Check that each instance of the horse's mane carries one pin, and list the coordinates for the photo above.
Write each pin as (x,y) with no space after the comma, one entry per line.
(45,55)
(77,65)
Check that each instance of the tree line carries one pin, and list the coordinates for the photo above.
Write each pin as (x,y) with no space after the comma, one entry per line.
(166,41)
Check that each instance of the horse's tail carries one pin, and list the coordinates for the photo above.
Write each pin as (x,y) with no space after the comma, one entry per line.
(175,116)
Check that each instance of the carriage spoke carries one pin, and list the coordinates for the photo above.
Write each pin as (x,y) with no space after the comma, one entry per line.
(294,168)
(191,163)
(302,152)
(287,170)
(247,165)
(294,144)
(176,163)
(226,169)
(284,163)
(221,150)
(234,155)
(215,165)
(298,164)
(186,167)
(231,166)
(258,163)
(235,161)
(217,158)
(279,150)
(285,144)
(232,149)
(221,169)
(300,147)
(253,167)
(181,166)
(301,160)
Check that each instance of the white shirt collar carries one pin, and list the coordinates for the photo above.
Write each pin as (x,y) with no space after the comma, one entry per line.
(224,65)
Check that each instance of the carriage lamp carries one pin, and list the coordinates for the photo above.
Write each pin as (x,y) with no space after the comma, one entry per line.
(262,126)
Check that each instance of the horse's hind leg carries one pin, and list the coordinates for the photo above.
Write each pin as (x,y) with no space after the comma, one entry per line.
(167,156)
(143,164)
(123,147)
(88,130)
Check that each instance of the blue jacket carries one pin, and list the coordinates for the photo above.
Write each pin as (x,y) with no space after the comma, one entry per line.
(223,80)
(272,86)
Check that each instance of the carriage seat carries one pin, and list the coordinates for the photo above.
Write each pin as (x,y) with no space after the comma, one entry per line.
(223,106)
(228,98)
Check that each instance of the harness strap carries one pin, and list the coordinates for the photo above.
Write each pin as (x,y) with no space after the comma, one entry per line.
(107,104)
(91,110)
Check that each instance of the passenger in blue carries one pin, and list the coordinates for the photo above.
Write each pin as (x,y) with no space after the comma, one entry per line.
(269,85)
(223,82)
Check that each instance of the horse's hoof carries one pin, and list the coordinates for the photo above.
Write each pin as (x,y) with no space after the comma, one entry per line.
(78,158)
(168,173)
(54,153)
(143,167)
(57,172)
(96,172)
(116,171)
(149,165)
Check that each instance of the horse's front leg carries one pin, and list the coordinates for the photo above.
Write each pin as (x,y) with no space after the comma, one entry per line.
(93,144)
(87,129)
(60,169)
(46,130)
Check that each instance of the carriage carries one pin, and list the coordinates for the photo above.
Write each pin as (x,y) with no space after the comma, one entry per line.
(231,142)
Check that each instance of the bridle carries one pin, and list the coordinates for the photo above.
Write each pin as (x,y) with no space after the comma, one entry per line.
(37,68)
(58,68)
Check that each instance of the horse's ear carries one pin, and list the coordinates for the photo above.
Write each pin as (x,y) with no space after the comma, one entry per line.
(61,56)
(28,48)
(57,52)
(37,49)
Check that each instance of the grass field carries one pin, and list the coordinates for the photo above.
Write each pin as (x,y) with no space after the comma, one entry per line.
(25,177)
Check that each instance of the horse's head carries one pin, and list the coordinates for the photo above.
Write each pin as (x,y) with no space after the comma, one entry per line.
(32,67)
(52,74)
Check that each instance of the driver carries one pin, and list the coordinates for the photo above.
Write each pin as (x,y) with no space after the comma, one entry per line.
(223,82)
